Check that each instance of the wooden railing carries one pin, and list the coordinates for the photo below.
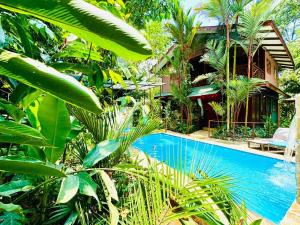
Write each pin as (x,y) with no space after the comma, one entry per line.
(252,125)
(257,72)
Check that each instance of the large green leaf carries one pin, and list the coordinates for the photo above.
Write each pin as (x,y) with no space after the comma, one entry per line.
(22,140)
(12,132)
(110,185)
(13,187)
(99,152)
(10,127)
(86,185)
(11,218)
(16,113)
(79,50)
(9,207)
(88,22)
(27,165)
(68,189)
(71,219)
(55,126)
(36,74)
(257,222)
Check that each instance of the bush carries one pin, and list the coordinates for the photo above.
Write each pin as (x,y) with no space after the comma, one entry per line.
(269,126)
(238,133)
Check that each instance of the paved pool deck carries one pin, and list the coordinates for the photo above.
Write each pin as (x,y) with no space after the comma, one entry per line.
(292,217)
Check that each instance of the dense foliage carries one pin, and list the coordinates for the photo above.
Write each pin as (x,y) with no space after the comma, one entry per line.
(65,136)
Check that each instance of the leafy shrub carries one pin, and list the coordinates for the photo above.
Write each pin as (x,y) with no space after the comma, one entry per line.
(269,126)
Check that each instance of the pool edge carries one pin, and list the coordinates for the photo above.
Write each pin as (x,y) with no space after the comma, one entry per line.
(231,146)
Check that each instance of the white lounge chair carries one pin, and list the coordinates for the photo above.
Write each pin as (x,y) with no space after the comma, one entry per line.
(279,140)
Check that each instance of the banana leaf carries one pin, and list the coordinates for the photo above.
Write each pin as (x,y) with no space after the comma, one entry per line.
(88,22)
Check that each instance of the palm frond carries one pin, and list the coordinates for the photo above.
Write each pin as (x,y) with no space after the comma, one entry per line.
(215,56)
(165,195)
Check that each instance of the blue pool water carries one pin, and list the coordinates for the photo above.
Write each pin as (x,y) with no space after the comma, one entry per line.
(267,185)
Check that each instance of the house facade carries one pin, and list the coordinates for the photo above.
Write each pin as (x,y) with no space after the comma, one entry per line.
(272,56)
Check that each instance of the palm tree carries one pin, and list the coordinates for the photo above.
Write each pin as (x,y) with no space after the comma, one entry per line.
(251,22)
(215,56)
(237,8)
(183,30)
(221,10)
(240,89)
(218,109)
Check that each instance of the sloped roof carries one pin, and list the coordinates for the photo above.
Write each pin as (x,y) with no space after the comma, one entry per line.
(196,91)
(273,42)
(204,90)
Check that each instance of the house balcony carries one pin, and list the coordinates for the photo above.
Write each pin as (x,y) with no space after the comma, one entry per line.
(257,72)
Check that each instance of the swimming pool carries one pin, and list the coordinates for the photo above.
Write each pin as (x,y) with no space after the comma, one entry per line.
(267,185)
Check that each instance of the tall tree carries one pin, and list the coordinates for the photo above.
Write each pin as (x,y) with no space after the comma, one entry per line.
(142,11)
(158,37)
(287,18)
(183,29)
(221,10)
(237,8)
(251,22)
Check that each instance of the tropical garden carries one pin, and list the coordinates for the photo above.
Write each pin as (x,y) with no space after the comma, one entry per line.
(241,22)
(65,135)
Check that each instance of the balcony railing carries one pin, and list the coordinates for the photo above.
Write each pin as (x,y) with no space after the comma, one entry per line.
(257,72)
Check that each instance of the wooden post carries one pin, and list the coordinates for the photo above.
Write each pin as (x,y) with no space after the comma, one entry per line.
(298,147)
(209,128)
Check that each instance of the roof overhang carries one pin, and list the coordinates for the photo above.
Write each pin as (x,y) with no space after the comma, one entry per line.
(196,92)
(274,43)
(203,90)
(275,89)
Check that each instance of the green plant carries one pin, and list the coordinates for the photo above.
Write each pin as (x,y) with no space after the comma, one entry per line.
(38,140)
(184,195)
(98,25)
(250,24)
(218,108)
(222,11)
(60,147)
(239,90)
(269,126)
(183,30)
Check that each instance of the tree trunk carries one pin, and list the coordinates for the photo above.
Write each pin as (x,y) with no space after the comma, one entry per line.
(234,62)
(227,73)
(249,76)
(233,77)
